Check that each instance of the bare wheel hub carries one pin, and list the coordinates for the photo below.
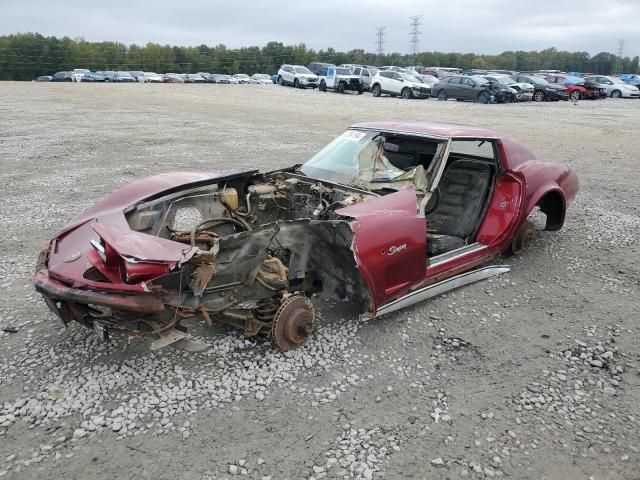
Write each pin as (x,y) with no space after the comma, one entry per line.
(523,238)
(292,323)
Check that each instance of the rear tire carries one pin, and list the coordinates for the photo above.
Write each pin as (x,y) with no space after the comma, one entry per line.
(296,83)
(442,96)
(376,91)
(280,81)
(406,93)
(575,96)
(523,238)
(539,96)
(322,87)
(341,87)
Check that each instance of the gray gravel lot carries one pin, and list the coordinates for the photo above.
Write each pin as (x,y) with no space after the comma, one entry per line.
(531,375)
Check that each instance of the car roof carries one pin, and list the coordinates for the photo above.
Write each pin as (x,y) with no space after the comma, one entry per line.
(431,129)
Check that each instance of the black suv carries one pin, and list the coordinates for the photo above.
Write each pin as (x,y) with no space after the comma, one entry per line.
(319,69)
(62,77)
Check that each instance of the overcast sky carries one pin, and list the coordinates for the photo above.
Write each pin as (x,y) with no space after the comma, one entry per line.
(481,26)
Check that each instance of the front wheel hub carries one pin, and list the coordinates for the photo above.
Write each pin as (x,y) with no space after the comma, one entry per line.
(292,323)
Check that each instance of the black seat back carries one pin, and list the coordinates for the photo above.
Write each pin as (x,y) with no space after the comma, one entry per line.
(463,189)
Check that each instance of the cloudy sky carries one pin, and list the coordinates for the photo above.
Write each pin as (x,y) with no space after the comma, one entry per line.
(481,26)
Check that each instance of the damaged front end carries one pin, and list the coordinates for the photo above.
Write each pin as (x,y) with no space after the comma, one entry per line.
(246,250)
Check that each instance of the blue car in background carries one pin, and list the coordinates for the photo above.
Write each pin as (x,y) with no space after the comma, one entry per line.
(631,79)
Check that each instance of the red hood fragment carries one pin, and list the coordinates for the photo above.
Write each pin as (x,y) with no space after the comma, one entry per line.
(140,247)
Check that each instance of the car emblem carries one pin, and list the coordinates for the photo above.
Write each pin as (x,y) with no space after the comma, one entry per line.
(397,249)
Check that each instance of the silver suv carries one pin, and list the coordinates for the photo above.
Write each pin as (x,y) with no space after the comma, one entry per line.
(298,76)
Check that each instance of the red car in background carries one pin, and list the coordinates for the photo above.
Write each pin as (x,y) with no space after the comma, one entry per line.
(387,215)
(577,88)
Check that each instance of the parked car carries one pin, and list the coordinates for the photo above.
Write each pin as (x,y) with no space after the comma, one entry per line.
(349,224)
(78,73)
(441,72)
(297,76)
(219,78)
(152,77)
(474,88)
(138,75)
(93,77)
(366,74)
(391,82)
(62,77)
(243,78)
(577,87)
(262,78)
(430,80)
(615,87)
(340,79)
(631,79)
(108,75)
(44,78)
(172,78)
(123,77)
(192,78)
(543,90)
(319,68)
(572,86)
(523,91)
(231,79)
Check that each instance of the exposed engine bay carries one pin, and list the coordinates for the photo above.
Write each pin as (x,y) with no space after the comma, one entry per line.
(265,242)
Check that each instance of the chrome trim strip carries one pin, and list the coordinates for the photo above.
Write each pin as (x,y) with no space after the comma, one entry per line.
(442,287)
(444,257)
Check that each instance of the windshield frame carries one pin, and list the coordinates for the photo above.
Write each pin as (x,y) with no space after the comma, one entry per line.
(373,172)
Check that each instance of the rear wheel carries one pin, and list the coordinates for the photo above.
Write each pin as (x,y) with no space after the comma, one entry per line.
(341,87)
(442,95)
(575,96)
(523,238)
(406,93)
(539,96)
(296,83)
(280,81)
(616,94)
(360,90)
(322,87)
(376,91)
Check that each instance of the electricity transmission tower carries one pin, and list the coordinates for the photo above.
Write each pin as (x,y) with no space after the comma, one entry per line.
(380,43)
(414,36)
(619,54)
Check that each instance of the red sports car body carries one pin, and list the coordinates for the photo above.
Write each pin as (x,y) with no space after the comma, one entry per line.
(388,214)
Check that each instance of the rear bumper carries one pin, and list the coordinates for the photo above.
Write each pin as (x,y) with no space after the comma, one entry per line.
(54,291)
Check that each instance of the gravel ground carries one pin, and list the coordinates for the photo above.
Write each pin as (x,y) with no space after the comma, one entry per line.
(531,375)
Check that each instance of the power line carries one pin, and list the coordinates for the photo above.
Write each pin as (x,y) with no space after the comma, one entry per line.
(380,43)
(414,35)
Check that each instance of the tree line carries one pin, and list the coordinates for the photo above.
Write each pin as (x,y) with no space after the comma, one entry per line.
(26,56)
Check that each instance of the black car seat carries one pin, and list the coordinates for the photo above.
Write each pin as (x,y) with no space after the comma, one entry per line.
(463,189)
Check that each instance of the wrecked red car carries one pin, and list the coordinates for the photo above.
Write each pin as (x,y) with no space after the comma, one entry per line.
(386,215)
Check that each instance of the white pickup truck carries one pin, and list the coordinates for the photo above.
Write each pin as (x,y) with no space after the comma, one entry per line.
(340,79)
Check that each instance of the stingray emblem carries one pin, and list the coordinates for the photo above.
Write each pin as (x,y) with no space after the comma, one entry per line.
(397,249)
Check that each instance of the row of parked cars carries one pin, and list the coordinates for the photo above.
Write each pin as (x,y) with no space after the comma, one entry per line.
(485,86)
(494,86)
(84,75)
